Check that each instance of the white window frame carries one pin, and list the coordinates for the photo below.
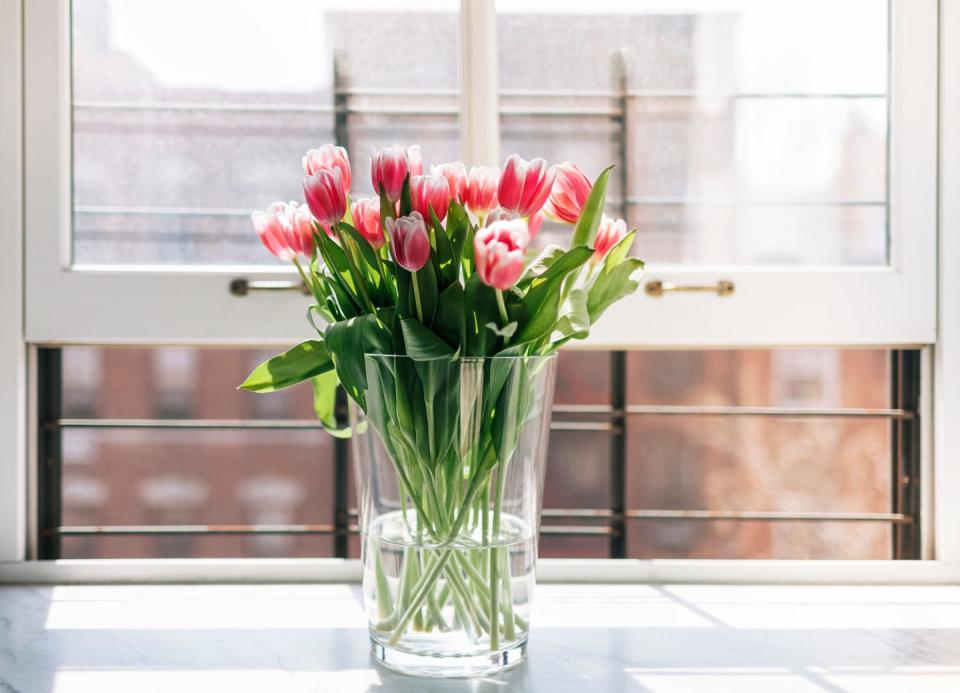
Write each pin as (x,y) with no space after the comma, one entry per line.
(53,304)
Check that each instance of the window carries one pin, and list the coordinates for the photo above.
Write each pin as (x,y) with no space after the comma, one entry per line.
(787,148)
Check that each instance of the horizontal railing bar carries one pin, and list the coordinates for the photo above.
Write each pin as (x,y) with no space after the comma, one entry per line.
(278,424)
(583,409)
(772,515)
(606,513)
(573,530)
(257,424)
(742,202)
(785,412)
(582,426)
(202,106)
(241,106)
(638,201)
(241,530)
(68,530)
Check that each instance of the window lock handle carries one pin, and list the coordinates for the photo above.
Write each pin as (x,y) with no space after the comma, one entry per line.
(658,288)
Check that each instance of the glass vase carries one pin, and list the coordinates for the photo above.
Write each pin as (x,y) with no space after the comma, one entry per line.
(450,456)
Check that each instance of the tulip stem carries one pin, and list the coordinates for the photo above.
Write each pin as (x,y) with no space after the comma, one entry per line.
(416,295)
(503,313)
(306,281)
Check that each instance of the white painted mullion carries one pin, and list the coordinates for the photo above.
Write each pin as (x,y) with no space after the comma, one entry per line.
(13,482)
(947,356)
(479,100)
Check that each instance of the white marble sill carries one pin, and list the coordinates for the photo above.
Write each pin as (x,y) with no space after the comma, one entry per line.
(595,638)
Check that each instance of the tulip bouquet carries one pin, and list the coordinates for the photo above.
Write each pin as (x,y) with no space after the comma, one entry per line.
(436,269)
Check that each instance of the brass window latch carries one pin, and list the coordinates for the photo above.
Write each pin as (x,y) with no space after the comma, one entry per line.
(242,286)
(657,288)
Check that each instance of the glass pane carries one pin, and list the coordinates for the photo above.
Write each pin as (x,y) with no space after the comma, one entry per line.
(745,132)
(752,540)
(196,477)
(758,463)
(831,378)
(175,142)
(172,383)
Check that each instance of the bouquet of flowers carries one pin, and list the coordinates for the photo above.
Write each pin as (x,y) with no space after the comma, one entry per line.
(436,269)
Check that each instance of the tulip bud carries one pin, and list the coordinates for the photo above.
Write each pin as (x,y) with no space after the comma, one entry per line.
(456,174)
(409,241)
(609,233)
(481,193)
(428,192)
(328,157)
(415,160)
(325,197)
(366,220)
(388,169)
(524,185)
(569,194)
(498,252)
(285,229)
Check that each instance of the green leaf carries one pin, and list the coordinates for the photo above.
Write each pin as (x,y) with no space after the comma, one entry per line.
(458,224)
(406,205)
(541,303)
(448,268)
(619,251)
(367,264)
(506,332)
(574,320)
(426,278)
(621,280)
(541,264)
(304,361)
(325,398)
(481,308)
(450,321)
(585,231)
(422,343)
(348,342)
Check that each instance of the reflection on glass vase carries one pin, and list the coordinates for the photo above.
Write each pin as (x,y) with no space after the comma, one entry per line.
(450,457)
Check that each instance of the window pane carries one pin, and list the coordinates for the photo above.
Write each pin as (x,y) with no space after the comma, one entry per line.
(745,132)
(176,142)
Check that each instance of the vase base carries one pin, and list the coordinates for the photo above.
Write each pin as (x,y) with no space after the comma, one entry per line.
(446,666)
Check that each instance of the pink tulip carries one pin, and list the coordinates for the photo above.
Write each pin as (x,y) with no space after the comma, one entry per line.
(481,193)
(328,157)
(415,160)
(524,185)
(570,191)
(325,197)
(285,229)
(498,251)
(428,192)
(609,233)
(366,220)
(456,174)
(388,169)
(409,241)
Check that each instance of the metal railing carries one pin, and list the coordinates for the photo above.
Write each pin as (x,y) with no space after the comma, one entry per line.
(607,419)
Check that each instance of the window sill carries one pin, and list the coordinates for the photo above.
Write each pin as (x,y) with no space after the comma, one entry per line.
(605,637)
(335,570)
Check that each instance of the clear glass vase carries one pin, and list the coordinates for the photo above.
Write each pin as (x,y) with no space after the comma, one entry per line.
(450,457)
